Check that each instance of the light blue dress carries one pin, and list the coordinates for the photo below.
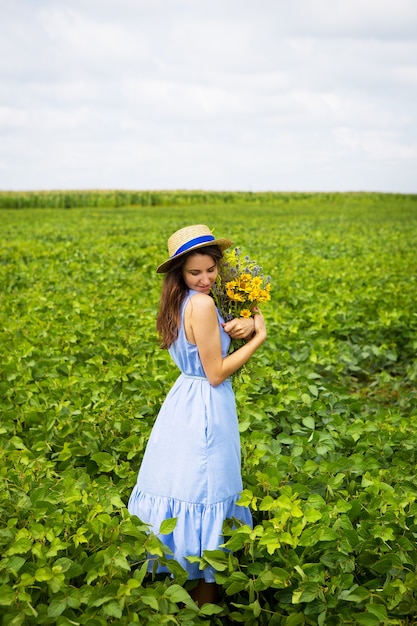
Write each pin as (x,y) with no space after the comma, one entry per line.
(191,467)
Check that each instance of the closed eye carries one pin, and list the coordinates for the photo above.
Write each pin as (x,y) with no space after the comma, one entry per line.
(197,272)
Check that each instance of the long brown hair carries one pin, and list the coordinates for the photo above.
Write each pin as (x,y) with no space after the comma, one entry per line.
(172,295)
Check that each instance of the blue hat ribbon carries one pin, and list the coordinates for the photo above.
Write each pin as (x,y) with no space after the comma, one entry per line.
(193,242)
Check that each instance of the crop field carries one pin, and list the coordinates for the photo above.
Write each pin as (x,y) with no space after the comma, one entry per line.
(327,410)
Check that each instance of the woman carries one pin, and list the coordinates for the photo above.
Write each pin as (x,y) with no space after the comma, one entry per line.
(191,467)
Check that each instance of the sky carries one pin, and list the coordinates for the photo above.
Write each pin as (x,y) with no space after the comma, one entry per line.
(246,95)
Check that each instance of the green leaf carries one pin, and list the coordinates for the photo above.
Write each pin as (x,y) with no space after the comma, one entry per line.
(378,610)
(367,619)
(383,532)
(43,574)
(20,546)
(150,600)
(313,390)
(388,562)
(312,515)
(180,574)
(327,534)
(176,593)
(112,609)
(57,606)
(13,564)
(211,609)
(154,546)
(354,594)
(236,582)
(306,593)
(139,574)
(309,422)
(7,595)
(295,619)
(217,559)
(132,529)
(105,461)
(267,503)
(167,526)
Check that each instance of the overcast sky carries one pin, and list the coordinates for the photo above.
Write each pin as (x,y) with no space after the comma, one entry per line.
(251,95)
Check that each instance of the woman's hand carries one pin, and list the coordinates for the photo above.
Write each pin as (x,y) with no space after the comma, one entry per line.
(240,327)
(260,328)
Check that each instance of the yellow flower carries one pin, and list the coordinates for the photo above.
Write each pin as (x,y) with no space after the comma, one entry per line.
(245,313)
(245,277)
(264,296)
(254,294)
(236,297)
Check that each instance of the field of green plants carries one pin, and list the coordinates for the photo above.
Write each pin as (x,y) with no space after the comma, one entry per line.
(327,408)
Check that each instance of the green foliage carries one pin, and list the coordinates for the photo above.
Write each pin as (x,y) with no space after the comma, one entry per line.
(327,412)
(117,198)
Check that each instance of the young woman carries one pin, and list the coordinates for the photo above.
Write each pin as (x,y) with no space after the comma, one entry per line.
(191,467)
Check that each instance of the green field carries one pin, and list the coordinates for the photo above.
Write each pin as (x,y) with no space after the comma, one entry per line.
(327,408)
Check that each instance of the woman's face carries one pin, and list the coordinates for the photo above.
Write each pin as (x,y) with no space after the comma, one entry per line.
(199,272)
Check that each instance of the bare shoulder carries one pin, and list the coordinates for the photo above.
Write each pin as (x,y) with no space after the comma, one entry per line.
(202,303)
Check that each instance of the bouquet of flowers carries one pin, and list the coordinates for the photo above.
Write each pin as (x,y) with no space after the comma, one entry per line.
(240,286)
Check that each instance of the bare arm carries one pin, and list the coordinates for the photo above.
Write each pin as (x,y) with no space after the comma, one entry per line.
(203,322)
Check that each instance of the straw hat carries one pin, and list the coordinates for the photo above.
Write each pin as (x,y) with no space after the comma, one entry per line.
(190,238)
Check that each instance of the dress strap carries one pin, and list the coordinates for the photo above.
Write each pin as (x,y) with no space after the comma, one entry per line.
(184,304)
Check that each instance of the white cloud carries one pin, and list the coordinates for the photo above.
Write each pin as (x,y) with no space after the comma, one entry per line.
(219,94)
(90,40)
